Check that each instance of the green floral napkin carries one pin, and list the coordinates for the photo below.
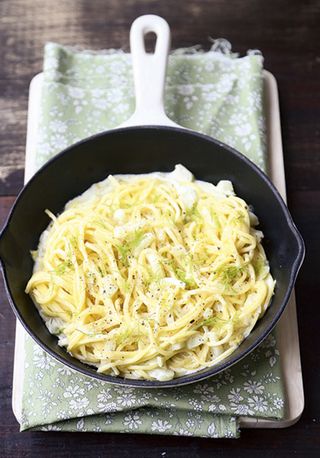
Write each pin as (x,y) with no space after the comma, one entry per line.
(215,93)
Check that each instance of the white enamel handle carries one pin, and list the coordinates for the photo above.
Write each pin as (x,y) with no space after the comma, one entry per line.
(149,72)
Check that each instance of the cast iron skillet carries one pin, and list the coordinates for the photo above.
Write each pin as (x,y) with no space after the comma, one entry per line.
(136,150)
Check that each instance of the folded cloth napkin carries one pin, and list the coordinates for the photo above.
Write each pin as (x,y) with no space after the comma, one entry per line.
(215,93)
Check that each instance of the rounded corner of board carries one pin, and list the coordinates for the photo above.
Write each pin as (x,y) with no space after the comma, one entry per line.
(36,80)
(270,79)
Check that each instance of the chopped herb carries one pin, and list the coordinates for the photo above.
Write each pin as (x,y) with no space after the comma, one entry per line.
(127,333)
(63,267)
(126,250)
(191,213)
(183,276)
(229,275)
(212,321)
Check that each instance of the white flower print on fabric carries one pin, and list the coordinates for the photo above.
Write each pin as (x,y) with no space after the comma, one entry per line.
(204,390)
(80,425)
(221,407)
(183,432)
(235,395)
(65,370)
(92,384)
(213,407)
(272,360)
(97,429)
(43,361)
(197,417)
(106,402)
(160,426)
(109,418)
(39,375)
(145,396)
(278,402)
(241,409)
(50,428)
(109,407)
(258,403)
(104,396)
(212,430)
(126,399)
(185,89)
(196,404)
(229,434)
(58,126)
(132,420)
(224,378)
(48,402)
(253,387)
(79,404)
(73,391)
(190,423)
(269,342)
(62,415)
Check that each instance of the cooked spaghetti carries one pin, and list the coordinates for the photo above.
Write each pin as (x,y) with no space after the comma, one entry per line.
(152,276)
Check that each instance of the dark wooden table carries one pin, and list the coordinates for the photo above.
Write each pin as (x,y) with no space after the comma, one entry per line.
(288,34)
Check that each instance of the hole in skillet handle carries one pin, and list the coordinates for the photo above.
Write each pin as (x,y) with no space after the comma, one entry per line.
(150,41)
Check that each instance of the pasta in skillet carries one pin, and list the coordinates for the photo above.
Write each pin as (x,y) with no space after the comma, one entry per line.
(152,276)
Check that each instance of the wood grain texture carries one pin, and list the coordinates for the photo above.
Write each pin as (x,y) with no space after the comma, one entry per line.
(287,33)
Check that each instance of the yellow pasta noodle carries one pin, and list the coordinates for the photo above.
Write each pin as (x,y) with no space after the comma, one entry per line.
(152,276)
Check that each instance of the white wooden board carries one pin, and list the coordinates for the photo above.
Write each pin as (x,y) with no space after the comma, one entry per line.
(287,328)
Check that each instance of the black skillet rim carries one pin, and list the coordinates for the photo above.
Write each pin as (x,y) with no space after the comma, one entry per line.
(196,376)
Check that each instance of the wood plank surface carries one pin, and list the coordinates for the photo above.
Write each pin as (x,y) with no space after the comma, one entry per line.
(287,33)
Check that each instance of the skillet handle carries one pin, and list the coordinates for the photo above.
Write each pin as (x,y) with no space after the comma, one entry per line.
(149,72)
